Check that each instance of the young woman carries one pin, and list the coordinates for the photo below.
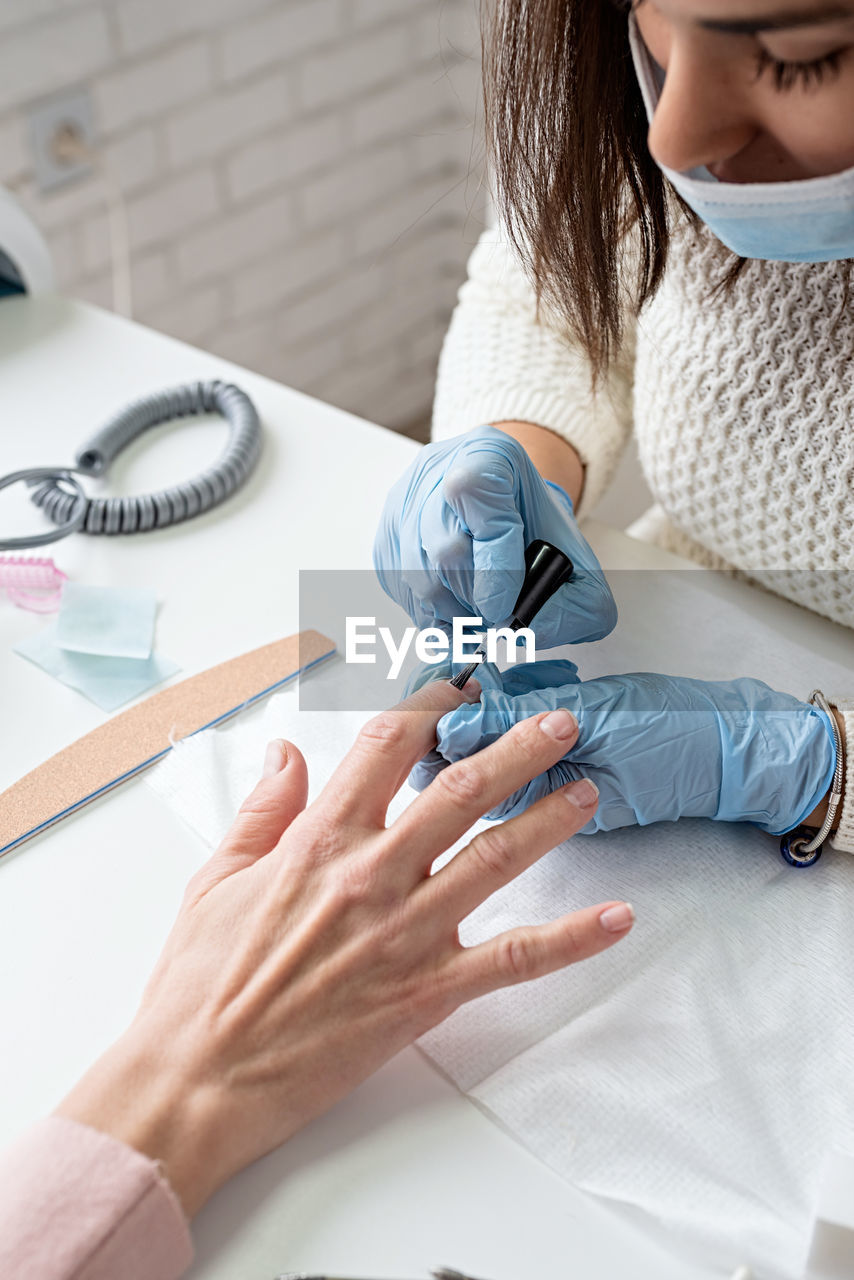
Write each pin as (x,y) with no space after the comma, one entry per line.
(676,202)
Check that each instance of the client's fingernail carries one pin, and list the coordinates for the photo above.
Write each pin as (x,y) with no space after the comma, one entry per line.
(275,758)
(618,919)
(560,724)
(583,793)
(471,691)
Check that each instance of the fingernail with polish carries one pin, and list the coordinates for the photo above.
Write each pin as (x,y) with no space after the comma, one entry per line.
(618,919)
(560,724)
(275,758)
(583,794)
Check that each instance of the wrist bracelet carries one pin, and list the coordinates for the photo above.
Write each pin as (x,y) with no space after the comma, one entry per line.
(842,838)
(798,848)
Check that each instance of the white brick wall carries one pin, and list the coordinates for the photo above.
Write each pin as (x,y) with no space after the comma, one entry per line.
(251,46)
(298,174)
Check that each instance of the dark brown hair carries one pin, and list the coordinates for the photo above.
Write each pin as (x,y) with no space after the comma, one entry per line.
(566,135)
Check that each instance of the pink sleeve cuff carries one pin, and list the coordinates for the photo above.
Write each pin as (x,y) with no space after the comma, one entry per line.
(76,1204)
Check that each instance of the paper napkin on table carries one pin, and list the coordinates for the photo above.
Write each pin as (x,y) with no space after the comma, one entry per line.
(206,777)
(703,1068)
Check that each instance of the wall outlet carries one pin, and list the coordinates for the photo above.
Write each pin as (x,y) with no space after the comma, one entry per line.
(58,126)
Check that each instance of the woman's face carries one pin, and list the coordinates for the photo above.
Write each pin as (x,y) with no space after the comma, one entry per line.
(756,90)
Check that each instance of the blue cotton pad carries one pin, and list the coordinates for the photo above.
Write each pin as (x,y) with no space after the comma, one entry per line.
(108,682)
(116,622)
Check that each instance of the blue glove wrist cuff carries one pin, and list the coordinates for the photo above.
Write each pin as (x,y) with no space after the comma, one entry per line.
(563,493)
(824,783)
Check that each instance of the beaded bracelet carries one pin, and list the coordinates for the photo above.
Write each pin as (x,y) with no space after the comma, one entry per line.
(798,849)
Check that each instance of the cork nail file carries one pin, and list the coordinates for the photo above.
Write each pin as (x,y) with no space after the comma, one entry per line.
(136,738)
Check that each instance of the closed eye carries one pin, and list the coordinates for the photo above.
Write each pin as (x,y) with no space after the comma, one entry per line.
(788,73)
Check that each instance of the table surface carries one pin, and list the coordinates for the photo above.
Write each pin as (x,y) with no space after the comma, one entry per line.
(406,1174)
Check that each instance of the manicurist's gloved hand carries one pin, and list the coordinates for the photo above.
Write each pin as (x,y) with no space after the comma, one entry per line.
(453,534)
(661,747)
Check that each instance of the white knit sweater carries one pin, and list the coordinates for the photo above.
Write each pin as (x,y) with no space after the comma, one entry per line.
(742,401)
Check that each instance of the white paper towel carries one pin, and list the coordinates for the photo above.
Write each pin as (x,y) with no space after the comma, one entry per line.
(206,777)
(703,1068)
(832,1250)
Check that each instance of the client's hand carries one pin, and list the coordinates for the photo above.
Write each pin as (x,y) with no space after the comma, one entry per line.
(315,944)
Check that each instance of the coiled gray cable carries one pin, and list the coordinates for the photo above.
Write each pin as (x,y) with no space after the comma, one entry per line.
(181,501)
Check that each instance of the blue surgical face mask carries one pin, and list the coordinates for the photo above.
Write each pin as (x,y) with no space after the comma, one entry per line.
(808,220)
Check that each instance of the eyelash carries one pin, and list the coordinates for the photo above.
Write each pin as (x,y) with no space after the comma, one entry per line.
(788,74)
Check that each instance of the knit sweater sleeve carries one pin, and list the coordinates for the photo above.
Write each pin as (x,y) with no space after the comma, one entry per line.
(844,837)
(500,363)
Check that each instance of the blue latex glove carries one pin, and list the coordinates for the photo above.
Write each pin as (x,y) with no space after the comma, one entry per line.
(520,679)
(663,747)
(453,534)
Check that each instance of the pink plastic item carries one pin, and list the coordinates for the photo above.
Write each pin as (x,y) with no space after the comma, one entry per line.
(32,583)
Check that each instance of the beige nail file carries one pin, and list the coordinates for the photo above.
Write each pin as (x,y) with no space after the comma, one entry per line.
(136,738)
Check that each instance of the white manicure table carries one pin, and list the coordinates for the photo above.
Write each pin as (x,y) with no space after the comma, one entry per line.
(406,1174)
